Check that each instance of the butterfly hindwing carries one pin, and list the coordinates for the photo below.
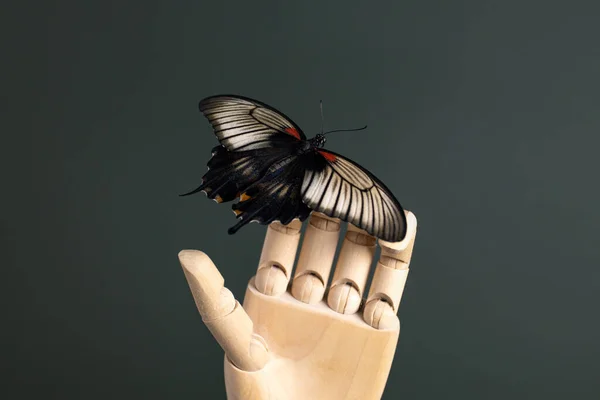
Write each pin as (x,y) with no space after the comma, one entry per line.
(275,197)
(266,181)
(340,188)
(229,173)
(245,124)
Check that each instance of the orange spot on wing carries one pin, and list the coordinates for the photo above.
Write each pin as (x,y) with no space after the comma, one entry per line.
(244,197)
(328,156)
(292,131)
(218,199)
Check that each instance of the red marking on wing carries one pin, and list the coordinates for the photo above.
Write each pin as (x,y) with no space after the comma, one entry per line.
(328,156)
(292,131)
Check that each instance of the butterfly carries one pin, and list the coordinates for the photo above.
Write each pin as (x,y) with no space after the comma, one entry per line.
(265,160)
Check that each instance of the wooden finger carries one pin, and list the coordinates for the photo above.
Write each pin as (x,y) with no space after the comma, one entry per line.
(316,258)
(351,271)
(222,314)
(389,279)
(277,257)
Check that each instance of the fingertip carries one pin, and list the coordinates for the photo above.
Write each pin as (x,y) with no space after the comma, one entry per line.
(198,264)
(411,220)
(188,255)
(411,232)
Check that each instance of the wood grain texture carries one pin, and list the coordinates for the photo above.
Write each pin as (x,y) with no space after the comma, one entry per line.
(222,314)
(316,353)
(316,258)
(277,257)
(390,278)
(351,271)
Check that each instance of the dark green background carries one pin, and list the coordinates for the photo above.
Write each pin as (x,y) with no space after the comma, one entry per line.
(483,119)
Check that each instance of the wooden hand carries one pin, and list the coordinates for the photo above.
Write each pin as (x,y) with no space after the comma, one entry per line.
(299,340)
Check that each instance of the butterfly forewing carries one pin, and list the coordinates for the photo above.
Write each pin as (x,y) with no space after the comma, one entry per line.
(244,124)
(340,188)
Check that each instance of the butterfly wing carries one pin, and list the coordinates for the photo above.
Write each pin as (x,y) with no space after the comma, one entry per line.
(266,181)
(231,172)
(275,197)
(243,124)
(340,188)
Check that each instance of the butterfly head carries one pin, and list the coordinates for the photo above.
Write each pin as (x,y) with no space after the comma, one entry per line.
(318,141)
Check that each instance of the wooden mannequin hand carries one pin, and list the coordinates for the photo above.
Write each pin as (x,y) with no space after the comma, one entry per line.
(299,340)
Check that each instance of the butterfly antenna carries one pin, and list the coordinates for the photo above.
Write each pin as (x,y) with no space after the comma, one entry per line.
(322,117)
(346,130)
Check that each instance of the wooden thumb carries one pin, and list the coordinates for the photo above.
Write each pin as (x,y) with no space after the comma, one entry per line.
(222,314)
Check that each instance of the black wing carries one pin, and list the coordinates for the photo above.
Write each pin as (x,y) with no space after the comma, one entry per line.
(243,124)
(266,181)
(340,188)
(231,172)
(275,197)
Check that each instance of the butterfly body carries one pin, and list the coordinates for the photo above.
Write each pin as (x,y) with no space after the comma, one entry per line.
(278,174)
